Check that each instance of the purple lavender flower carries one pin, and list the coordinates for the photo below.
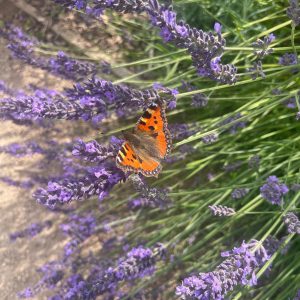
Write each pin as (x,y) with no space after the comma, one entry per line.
(273,190)
(149,197)
(210,138)
(74,288)
(290,103)
(31,231)
(205,48)
(105,67)
(5,89)
(52,275)
(101,94)
(94,182)
(295,187)
(254,162)
(221,210)
(218,27)
(79,228)
(35,107)
(232,166)
(69,68)
(19,150)
(25,184)
(297,297)
(22,47)
(288,59)
(138,263)
(238,269)
(239,193)
(92,151)
(183,152)
(199,100)
(257,70)
(293,12)
(261,47)
(292,222)
(236,124)
(181,131)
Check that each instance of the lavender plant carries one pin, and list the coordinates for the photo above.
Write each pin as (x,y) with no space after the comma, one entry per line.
(235,151)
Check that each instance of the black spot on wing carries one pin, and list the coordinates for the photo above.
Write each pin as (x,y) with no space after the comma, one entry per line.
(142,122)
(146,115)
(155,135)
(120,157)
(134,157)
(155,122)
(126,147)
(140,160)
(151,128)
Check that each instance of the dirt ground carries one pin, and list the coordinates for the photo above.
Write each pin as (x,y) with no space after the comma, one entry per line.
(20,259)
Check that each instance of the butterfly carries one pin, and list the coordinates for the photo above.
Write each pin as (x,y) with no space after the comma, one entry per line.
(147,144)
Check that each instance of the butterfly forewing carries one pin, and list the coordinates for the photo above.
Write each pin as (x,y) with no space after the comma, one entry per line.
(154,122)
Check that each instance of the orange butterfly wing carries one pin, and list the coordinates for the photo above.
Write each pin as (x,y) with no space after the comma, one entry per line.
(154,121)
(128,160)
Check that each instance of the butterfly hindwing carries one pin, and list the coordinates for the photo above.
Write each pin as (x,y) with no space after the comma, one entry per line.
(154,122)
(128,160)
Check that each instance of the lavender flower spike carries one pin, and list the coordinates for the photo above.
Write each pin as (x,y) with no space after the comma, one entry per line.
(273,191)
(205,48)
(239,193)
(221,211)
(33,230)
(94,152)
(293,12)
(238,269)
(210,138)
(149,197)
(95,182)
(261,47)
(139,262)
(292,222)
(22,47)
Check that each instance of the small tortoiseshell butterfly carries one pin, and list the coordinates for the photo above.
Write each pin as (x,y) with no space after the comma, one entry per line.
(147,144)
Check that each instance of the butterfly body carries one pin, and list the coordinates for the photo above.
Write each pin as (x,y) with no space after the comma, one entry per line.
(147,144)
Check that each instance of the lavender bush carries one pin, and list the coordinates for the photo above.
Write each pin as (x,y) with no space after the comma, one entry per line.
(228,76)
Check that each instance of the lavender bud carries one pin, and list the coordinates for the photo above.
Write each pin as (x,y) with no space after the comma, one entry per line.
(149,197)
(239,193)
(293,12)
(292,222)
(254,162)
(257,70)
(236,125)
(31,231)
(261,47)
(210,138)
(221,211)
(273,191)
(288,59)
(199,100)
